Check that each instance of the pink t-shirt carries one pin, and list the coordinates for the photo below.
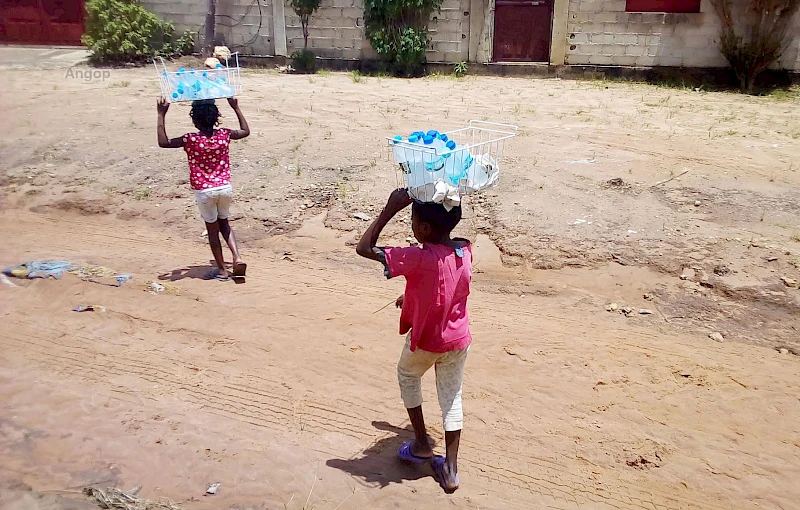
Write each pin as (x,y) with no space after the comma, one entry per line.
(435,302)
(209,162)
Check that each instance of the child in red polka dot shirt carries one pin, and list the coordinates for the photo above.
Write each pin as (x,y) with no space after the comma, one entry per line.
(210,174)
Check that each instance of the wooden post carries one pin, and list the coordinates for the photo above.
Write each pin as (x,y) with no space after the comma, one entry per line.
(211,23)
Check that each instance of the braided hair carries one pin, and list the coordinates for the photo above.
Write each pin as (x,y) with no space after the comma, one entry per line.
(205,115)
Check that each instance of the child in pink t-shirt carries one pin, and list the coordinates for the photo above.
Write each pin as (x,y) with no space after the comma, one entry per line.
(434,317)
(210,174)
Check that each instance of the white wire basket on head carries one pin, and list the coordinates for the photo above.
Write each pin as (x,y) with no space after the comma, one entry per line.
(192,84)
(464,161)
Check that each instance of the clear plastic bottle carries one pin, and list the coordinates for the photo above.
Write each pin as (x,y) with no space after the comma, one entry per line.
(433,161)
(462,162)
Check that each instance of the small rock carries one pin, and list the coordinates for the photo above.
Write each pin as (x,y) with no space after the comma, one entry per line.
(645,311)
(627,310)
(772,259)
(617,181)
(613,307)
(649,297)
(362,216)
(721,270)
(784,350)
(717,337)
(697,203)
(687,273)
(789,282)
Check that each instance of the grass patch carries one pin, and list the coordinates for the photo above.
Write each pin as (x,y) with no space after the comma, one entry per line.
(141,194)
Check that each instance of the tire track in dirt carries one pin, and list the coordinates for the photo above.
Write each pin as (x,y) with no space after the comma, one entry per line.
(266,406)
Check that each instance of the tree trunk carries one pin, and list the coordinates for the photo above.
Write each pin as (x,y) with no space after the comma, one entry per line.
(305,33)
(210,31)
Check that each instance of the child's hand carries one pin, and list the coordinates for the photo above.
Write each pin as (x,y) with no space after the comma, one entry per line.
(399,200)
(162,106)
(399,302)
(233,102)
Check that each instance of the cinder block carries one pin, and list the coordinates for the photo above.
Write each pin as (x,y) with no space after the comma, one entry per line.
(635,50)
(616,28)
(614,50)
(578,17)
(577,38)
(605,17)
(452,57)
(646,61)
(624,60)
(600,38)
(577,59)
(587,49)
(652,40)
(342,3)
(343,43)
(653,18)
(352,12)
(614,6)
(321,42)
(447,47)
(625,39)
(601,60)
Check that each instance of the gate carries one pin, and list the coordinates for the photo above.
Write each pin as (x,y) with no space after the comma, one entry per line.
(522,30)
(59,22)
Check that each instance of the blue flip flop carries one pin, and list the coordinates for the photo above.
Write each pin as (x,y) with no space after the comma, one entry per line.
(438,469)
(405,454)
(214,275)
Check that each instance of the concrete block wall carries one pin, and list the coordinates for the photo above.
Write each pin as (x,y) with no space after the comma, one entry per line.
(239,23)
(449,32)
(600,32)
(336,30)
(245,27)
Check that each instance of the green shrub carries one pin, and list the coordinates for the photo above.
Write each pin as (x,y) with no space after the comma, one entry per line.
(398,31)
(123,31)
(460,69)
(304,61)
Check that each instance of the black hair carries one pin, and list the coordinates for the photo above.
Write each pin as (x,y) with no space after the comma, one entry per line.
(205,114)
(440,219)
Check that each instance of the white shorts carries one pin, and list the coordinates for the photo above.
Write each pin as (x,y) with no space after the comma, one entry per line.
(215,203)
(449,368)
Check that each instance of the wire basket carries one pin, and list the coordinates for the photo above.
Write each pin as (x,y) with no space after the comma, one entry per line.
(190,85)
(473,165)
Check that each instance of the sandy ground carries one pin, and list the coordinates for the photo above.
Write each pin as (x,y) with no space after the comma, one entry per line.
(283,388)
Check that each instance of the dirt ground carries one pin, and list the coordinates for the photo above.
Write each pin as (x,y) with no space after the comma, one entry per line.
(283,389)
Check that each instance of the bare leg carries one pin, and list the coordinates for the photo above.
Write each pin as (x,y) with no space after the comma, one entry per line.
(422,446)
(227,233)
(216,248)
(452,441)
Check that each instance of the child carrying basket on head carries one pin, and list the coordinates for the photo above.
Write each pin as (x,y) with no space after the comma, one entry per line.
(210,174)
(434,319)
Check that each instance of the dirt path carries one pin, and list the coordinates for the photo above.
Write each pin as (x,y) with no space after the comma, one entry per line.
(283,389)
(269,386)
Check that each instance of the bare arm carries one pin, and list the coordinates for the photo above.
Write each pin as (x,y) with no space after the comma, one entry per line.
(398,200)
(244,129)
(162,106)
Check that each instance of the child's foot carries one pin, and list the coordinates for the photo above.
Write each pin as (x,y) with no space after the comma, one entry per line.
(445,474)
(218,274)
(412,451)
